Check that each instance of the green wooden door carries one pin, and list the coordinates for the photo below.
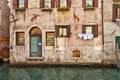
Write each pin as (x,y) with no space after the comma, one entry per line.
(36,46)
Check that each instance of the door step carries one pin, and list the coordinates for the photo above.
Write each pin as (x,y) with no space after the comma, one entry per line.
(35,59)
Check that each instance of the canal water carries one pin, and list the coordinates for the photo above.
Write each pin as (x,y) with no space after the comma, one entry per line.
(58,73)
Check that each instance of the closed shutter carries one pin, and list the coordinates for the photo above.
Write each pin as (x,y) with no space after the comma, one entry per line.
(68,30)
(114,12)
(83,29)
(15,4)
(95,3)
(95,31)
(57,3)
(41,3)
(68,3)
(52,3)
(26,4)
(83,3)
(56,31)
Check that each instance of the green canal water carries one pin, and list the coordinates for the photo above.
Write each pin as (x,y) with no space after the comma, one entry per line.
(58,73)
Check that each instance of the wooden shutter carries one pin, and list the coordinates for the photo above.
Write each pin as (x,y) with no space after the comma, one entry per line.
(26,4)
(95,31)
(57,3)
(56,30)
(41,3)
(68,3)
(83,3)
(52,3)
(83,29)
(68,30)
(114,12)
(15,4)
(95,3)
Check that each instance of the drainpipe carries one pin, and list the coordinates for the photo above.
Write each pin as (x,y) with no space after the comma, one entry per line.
(102,2)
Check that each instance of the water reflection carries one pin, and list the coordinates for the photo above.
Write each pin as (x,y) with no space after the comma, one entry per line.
(58,73)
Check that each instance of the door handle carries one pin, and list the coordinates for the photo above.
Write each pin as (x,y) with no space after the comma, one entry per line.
(39,43)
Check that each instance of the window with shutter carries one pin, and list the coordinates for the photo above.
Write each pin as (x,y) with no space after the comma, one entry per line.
(90,29)
(20,4)
(62,31)
(47,4)
(50,40)
(63,3)
(116,12)
(89,3)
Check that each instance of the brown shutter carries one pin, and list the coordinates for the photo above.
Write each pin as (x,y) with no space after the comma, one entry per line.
(83,3)
(41,3)
(83,29)
(56,31)
(57,3)
(114,12)
(95,31)
(15,4)
(26,4)
(95,3)
(52,3)
(68,3)
(68,30)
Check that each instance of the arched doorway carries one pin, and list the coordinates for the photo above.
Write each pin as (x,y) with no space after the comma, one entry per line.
(35,42)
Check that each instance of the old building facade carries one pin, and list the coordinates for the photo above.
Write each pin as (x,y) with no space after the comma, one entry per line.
(111,29)
(4,29)
(56,31)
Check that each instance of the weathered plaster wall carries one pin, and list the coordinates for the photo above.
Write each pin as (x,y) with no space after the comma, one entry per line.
(111,29)
(63,49)
(4,29)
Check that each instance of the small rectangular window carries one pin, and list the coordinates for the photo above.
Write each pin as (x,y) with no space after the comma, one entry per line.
(50,40)
(21,4)
(89,29)
(47,3)
(20,38)
(62,30)
(89,3)
(63,3)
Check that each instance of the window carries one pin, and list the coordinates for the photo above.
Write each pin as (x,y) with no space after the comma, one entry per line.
(116,12)
(90,3)
(47,3)
(20,4)
(90,29)
(62,30)
(20,38)
(50,39)
(63,3)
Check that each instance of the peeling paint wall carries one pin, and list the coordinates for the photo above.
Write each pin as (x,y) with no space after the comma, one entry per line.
(91,50)
(111,29)
(4,29)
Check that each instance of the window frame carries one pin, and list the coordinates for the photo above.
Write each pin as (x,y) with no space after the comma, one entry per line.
(47,37)
(115,12)
(57,32)
(94,30)
(94,4)
(16,4)
(16,38)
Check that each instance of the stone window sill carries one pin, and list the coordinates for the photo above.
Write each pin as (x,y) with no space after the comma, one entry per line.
(63,9)
(89,8)
(46,9)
